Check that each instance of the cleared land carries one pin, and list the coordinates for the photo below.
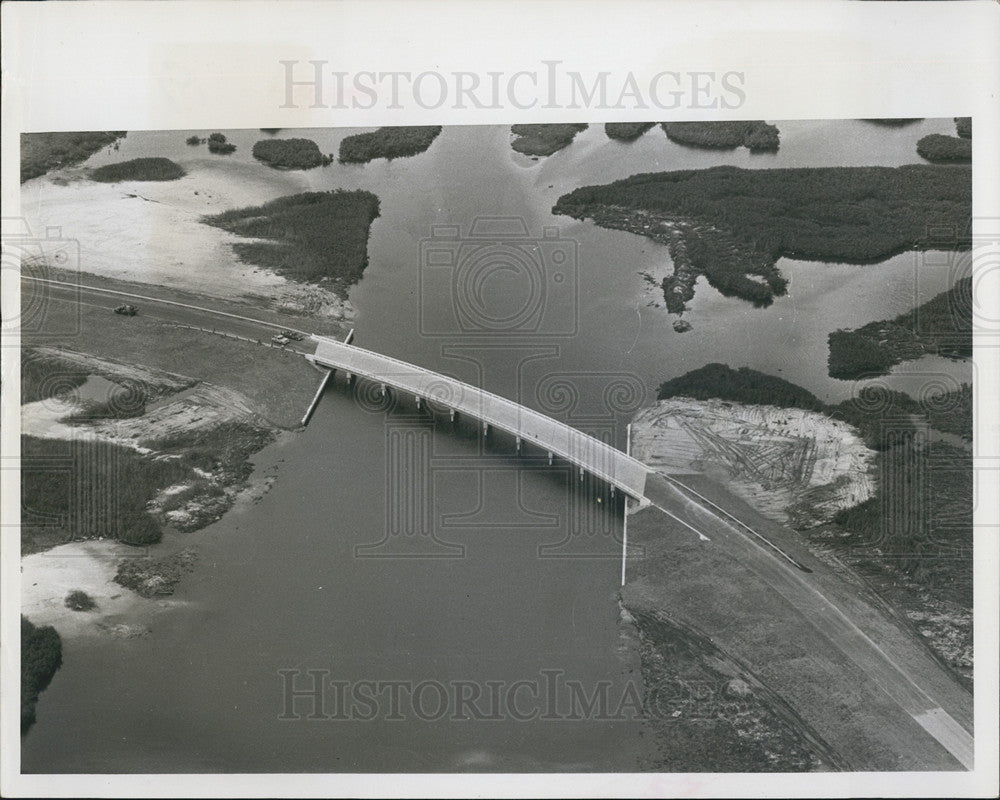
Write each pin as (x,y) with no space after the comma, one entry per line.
(797,467)
(892,500)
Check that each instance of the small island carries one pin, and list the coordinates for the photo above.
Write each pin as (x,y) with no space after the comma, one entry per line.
(941,326)
(139,169)
(626,131)
(544,140)
(217,144)
(290,153)
(894,122)
(755,135)
(309,237)
(42,152)
(732,225)
(940,149)
(396,142)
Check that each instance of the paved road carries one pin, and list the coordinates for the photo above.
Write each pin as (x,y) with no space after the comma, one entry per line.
(935,706)
(897,665)
(600,459)
(199,317)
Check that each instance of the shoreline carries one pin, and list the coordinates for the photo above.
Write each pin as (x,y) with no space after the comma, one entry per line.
(90,565)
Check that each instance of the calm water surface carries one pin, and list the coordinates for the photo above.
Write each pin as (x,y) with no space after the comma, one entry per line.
(518,570)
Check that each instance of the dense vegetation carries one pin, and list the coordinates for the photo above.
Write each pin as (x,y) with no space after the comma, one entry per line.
(743,385)
(43,377)
(79,600)
(943,149)
(544,140)
(139,169)
(41,152)
(951,412)
(194,140)
(315,236)
(963,127)
(894,122)
(395,142)
(217,144)
(151,577)
(290,153)
(942,326)
(732,225)
(756,135)
(920,521)
(626,131)
(41,656)
(120,484)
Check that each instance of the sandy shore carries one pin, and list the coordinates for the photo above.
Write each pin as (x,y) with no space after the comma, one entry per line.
(150,232)
(46,579)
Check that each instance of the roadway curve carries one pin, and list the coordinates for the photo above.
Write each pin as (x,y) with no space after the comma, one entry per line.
(171,311)
(897,668)
(596,457)
(941,710)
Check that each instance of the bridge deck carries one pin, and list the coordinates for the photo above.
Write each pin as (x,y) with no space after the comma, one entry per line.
(581,449)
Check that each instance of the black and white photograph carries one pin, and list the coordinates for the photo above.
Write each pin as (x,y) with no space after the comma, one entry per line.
(590,449)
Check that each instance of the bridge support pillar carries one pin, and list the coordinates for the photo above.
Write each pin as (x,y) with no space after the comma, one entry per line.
(350,378)
(517,442)
(486,429)
(452,413)
(581,474)
(550,458)
(418,402)
(384,389)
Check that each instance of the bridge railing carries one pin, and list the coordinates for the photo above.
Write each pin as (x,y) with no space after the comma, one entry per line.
(598,458)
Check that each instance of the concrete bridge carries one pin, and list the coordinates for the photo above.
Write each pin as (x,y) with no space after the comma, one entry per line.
(527,426)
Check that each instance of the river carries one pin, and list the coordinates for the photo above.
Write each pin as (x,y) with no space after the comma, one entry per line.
(399,547)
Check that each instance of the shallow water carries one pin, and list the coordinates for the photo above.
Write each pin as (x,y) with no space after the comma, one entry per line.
(474,565)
